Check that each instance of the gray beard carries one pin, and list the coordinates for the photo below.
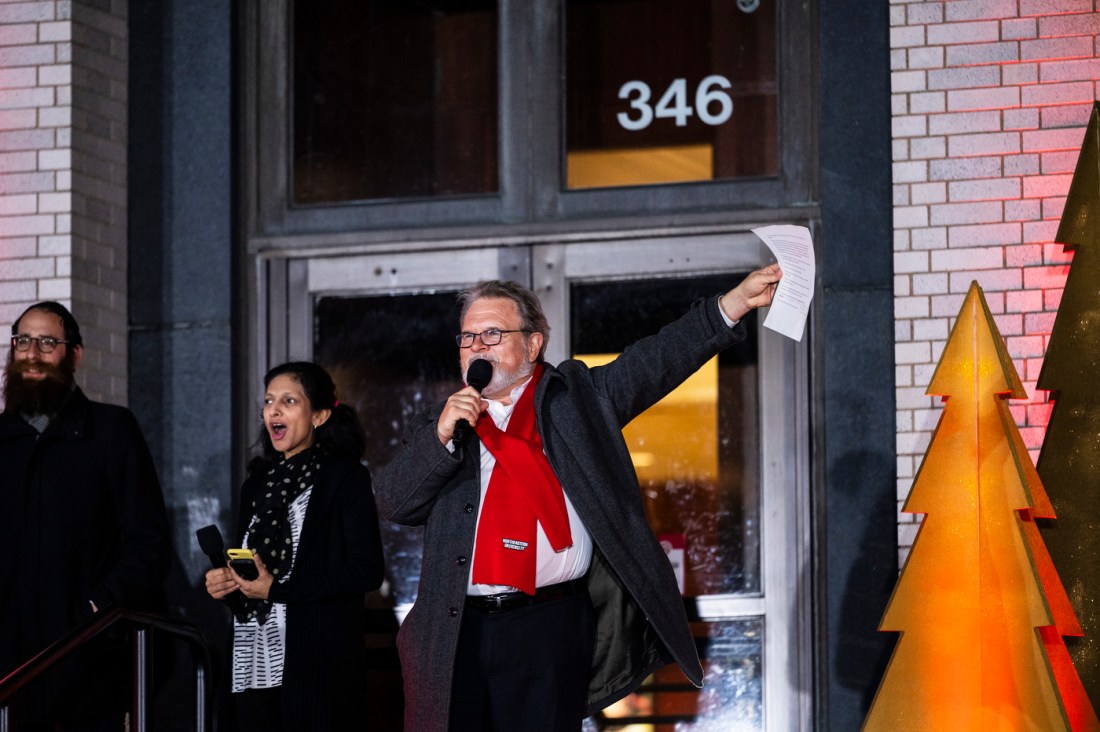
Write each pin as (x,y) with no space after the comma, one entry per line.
(503,379)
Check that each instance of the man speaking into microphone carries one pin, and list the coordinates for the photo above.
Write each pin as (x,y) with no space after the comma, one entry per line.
(543,594)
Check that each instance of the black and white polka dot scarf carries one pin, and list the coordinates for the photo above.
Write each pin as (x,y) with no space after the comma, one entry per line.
(269,533)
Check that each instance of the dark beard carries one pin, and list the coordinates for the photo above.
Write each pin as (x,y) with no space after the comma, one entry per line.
(33,396)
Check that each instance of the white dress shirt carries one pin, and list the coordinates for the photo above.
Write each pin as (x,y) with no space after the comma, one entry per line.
(551,567)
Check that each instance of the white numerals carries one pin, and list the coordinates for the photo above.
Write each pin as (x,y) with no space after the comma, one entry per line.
(713,104)
(674,103)
(710,92)
(639,103)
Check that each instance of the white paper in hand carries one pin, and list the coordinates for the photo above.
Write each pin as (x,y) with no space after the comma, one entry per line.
(794,250)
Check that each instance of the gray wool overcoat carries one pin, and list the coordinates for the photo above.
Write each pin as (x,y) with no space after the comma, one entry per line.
(641,623)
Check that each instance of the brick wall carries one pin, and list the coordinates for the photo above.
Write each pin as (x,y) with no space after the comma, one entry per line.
(63,174)
(990,102)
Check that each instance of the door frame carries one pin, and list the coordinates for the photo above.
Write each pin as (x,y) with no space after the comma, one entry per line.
(783,602)
(287,284)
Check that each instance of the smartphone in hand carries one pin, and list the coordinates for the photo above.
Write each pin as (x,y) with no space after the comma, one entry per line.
(241,562)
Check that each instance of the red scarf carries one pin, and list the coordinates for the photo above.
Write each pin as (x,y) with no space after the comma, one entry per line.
(522,490)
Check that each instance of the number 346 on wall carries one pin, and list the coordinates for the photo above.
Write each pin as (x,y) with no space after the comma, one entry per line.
(713,104)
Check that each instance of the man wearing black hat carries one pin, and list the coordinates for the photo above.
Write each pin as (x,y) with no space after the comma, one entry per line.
(82,525)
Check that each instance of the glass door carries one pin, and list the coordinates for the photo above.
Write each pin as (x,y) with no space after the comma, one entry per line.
(721,461)
(383,325)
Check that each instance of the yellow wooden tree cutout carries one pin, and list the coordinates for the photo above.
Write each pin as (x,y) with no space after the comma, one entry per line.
(978,589)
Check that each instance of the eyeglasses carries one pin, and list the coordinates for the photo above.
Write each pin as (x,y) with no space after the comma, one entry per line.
(489,337)
(46,344)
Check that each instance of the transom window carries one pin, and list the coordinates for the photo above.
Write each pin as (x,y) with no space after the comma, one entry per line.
(376,114)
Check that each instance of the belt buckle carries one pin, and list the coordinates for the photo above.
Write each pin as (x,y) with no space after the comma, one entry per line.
(496,602)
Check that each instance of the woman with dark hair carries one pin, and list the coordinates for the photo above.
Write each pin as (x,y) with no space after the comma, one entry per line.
(308,515)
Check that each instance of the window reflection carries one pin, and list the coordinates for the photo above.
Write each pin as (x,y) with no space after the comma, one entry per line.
(393,99)
(391,357)
(696,451)
(731,699)
(667,91)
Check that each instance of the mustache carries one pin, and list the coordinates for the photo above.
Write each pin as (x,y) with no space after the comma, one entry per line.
(50,370)
(490,357)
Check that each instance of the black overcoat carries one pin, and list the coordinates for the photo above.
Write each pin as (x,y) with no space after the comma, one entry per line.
(641,622)
(338,559)
(82,519)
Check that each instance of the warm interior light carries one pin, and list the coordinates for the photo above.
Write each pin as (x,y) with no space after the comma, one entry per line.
(639,166)
(676,438)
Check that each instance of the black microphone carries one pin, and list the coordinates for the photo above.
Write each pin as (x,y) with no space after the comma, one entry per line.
(478,375)
(212,544)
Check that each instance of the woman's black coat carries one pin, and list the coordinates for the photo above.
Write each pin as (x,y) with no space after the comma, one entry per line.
(338,560)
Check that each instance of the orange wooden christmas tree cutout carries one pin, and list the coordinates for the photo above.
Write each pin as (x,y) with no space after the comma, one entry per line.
(978,588)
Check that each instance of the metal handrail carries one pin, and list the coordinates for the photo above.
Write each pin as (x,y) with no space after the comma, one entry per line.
(141,623)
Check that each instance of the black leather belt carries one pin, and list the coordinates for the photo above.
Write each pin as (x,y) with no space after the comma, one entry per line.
(511,600)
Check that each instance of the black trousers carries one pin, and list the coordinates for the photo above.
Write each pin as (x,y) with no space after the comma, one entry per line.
(257,710)
(524,670)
